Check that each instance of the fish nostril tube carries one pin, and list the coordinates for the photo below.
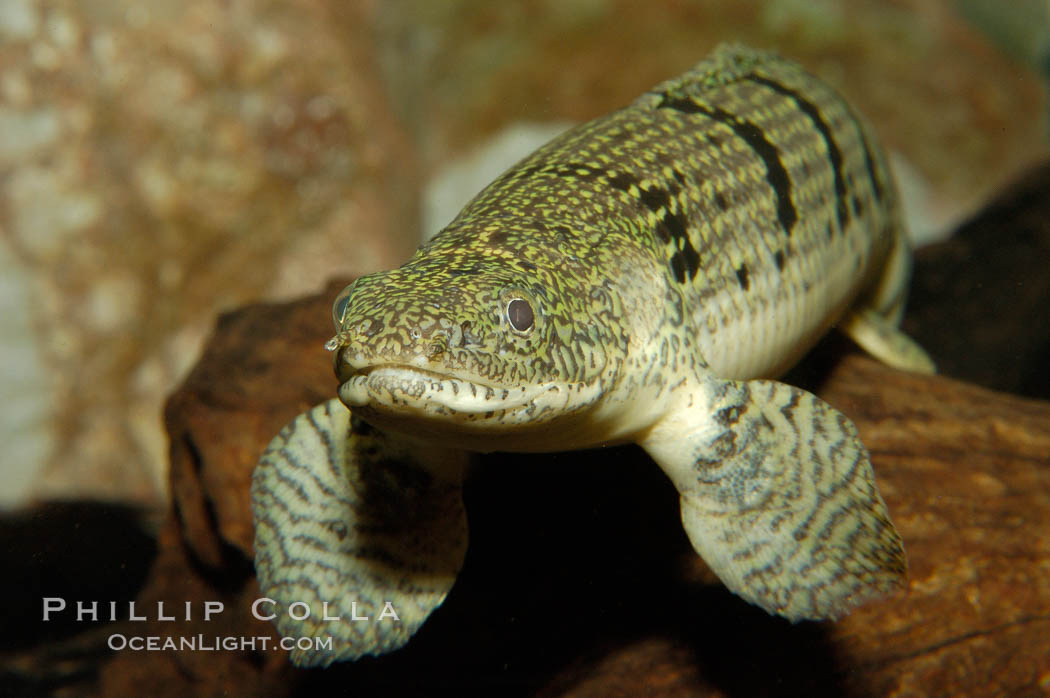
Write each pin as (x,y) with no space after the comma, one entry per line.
(363,330)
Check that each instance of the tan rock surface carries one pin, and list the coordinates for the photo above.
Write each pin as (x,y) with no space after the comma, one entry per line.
(161,162)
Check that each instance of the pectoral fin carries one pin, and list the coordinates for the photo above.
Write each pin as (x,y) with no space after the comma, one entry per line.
(346,516)
(778,497)
(877,335)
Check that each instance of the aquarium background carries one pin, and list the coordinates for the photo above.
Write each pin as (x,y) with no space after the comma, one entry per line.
(164,162)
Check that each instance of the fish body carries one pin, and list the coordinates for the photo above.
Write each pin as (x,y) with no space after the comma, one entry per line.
(637,279)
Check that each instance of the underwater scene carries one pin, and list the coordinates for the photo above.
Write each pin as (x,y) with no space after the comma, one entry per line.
(582,348)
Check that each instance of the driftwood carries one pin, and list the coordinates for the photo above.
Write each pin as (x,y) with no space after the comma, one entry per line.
(579,580)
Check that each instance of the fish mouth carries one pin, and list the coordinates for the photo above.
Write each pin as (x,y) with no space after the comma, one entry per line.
(409,390)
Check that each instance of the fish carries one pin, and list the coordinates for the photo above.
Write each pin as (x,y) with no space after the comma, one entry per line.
(642,278)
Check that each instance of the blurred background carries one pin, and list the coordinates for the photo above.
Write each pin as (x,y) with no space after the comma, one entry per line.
(164,161)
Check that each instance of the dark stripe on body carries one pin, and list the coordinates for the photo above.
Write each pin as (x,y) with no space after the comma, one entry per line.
(869,161)
(776,175)
(685,262)
(671,228)
(834,154)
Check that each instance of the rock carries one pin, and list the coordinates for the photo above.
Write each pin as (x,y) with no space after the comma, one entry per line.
(579,580)
(232,404)
(160,163)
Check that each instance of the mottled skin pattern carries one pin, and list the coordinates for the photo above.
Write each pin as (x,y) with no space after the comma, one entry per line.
(630,281)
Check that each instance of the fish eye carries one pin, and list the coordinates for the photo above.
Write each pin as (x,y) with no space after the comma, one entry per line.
(339,307)
(520,315)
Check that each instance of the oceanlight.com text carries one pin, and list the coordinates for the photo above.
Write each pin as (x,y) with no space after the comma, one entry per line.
(216,643)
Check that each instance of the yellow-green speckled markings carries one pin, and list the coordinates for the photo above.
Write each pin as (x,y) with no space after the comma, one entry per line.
(635,280)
